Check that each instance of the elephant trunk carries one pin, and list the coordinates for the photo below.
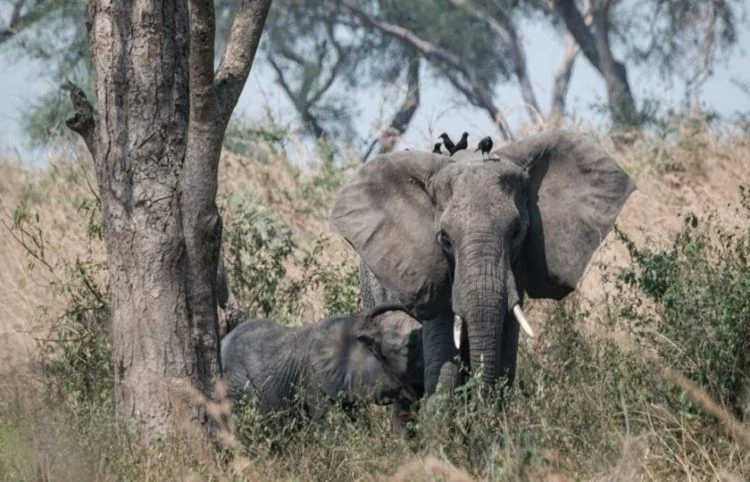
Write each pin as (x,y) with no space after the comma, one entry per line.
(484,301)
(484,332)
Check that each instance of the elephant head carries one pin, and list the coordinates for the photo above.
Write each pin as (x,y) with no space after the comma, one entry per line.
(470,236)
(385,360)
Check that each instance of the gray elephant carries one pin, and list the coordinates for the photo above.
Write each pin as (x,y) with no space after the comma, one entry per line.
(459,240)
(373,356)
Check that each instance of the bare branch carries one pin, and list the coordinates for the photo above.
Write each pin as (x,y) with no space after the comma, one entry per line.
(300,104)
(477,94)
(564,73)
(506,32)
(401,120)
(289,54)
(234,68)
(562,78)
(340,59)
(497,117)
(83,121)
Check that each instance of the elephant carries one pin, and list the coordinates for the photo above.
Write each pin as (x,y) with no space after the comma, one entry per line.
(460,240)
(369,356)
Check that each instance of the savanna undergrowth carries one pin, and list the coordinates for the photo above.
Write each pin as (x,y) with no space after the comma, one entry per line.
(583,405)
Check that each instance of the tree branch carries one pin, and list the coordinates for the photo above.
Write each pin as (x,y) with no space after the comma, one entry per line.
(201,61)
(238,57)
(340,59)
(479,96)
(83,121)
(300,104)
(562,78)
(504,29)
(16,21)
(497,117)
(201,223)
(401,120)
(577,27)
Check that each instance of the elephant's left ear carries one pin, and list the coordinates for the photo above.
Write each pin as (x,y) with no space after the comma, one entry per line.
(386,213)
(577,191)
(397,334)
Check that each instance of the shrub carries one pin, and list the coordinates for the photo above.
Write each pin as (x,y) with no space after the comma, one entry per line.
(701,286)
(77,354)
(259,251)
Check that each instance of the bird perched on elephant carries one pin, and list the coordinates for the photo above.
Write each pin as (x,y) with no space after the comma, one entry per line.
(372,356)
(462,144)
(447,142)
(460,240)
(485,145)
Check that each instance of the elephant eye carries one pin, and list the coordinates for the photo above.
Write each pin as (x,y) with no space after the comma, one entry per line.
(445,242)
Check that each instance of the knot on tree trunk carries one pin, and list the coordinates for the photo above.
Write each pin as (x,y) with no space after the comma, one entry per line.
(82,121)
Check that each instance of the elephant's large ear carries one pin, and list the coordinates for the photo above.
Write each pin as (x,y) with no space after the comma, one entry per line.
(398,337)
(577,191)
(385,213)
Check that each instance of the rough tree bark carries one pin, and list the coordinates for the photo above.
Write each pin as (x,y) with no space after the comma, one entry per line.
(155,143)
(596,48)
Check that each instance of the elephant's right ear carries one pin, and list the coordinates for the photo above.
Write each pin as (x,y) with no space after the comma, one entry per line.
(386,214)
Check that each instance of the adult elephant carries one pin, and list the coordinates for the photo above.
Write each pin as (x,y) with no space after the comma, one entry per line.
(464,236)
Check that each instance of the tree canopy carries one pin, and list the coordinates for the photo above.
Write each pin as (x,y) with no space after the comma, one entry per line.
(324,53)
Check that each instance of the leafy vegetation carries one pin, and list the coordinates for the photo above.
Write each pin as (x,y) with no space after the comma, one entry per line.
(701,288)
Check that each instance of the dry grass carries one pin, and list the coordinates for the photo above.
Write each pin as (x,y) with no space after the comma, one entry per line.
(590,413)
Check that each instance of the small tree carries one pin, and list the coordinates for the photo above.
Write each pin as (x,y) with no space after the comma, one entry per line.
(155,139)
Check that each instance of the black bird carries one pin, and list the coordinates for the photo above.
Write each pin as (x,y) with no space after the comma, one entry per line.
(436,149)
(485,145)
(447,142)
(462,144)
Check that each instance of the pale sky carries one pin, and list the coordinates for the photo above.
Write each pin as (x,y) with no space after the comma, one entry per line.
(21,83)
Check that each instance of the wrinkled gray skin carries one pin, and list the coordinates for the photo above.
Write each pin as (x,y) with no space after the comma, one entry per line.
(469,236)
(369,356)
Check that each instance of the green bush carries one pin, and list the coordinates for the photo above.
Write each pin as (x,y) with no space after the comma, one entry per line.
(258,250)
(701,286)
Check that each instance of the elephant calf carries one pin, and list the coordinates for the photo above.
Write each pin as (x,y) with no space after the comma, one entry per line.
(373,356)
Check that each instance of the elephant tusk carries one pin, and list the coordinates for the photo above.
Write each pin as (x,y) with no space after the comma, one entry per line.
(518,313)
(458,324)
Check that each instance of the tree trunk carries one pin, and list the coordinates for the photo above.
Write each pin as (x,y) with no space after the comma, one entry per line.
(562,80)
(597,50)
(141,137)
(156,145)
(619,96)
